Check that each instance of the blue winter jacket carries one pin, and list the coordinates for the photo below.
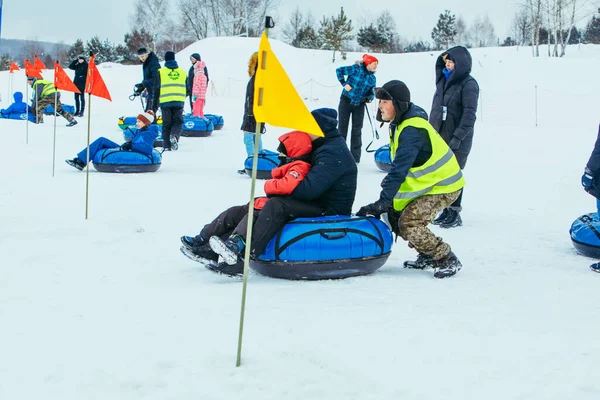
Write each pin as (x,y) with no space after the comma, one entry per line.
(362,81)
(18,107)
(143,139)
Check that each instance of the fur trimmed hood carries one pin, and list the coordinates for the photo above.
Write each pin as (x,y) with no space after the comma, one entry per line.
(252,64)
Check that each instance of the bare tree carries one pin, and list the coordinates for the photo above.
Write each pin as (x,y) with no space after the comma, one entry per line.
(153,16)
(195,17)
(294,26)
(461,31)
(521,26)
(535,12)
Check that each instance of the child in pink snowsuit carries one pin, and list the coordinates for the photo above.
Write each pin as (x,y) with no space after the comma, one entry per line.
(199,89)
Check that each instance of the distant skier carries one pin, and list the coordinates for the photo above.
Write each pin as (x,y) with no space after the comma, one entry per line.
(453,115)
(591,181)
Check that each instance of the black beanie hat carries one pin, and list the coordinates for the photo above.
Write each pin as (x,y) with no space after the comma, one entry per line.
(169,56)
(326,118)
(142,51)
(196,56)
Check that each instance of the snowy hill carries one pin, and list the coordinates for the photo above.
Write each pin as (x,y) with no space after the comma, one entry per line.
(108,308)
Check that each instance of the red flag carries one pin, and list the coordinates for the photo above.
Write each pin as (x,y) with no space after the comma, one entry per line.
(31,71)
(38,64)
(13,67)
(94,84)
(62,80)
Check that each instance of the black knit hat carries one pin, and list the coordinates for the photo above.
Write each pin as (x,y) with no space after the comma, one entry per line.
(142,51)
(169,56)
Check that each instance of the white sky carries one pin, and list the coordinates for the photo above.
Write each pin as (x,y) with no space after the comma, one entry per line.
(83,19)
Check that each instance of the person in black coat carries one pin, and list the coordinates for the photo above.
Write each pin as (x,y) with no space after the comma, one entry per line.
(189,81)
(328,189)
(453,114)
(150,67)
(590,180)
(80,66)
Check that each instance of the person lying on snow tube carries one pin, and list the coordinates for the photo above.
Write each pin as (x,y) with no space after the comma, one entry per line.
(142,142)
(18,107)
(294,155)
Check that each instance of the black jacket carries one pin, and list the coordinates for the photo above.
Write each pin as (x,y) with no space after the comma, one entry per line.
(249,122)
(189,81)
(150,70)
(414,149)
(593,163)
(80,73)
(332,180)
(459,94)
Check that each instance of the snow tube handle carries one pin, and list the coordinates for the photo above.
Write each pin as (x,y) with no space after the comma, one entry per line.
(333,235)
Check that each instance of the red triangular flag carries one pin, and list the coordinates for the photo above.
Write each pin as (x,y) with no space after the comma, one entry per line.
(94,84)
(31,71)
(13,67)
(38,64)
(62,80)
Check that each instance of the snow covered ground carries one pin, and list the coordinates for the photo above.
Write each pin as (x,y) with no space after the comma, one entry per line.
(108,308)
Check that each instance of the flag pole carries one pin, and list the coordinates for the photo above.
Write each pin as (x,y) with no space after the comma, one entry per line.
(27,119)
(269,23)
(54,138)
(87,157)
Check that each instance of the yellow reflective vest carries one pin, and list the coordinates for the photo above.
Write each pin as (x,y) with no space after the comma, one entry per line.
(438,175)
(172,85)
(47,90)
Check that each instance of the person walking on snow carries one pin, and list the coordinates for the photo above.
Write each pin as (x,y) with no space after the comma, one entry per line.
(358,81)
(199,89)
(424,179)
(453,115)
(150,67)
(169,90)
(45,94)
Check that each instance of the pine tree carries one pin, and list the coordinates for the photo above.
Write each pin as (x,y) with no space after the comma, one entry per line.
(444,32)
(307,39)
(372,38)
(5,62)
(136,39)
(334,31)
(592,31)
(76,49)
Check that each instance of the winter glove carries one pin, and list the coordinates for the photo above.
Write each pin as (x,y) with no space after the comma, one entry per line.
(374,209)
(194,97)
(587,179)
(126,146)
(365,100)
(454,143)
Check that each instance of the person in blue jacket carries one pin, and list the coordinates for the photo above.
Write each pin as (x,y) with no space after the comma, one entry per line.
(590,180)
(18,107)
(142,141)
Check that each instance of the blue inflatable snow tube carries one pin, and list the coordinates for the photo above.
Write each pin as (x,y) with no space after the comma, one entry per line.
(217,121)
(382,158)
(196,126)
(329,247)
(49,110)
(19,117)
(115,160)
(585,235)
(267,160)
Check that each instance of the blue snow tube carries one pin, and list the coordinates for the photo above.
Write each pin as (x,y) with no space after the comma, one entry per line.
(128,135)
(49,110)
(382,158)
(196,126)
(585,235)
(19,116)
(217,121)
(329,247)
(267,160)
(115,160)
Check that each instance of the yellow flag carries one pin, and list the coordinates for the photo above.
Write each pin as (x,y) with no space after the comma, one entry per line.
(276,101)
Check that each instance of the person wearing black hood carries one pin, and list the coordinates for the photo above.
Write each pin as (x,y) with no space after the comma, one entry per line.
(424,179)
(189,82)
(80,66)
(328,189)
(453,115)
(169,90)
(150,67)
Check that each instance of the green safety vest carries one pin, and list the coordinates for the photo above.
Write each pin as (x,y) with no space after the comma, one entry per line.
(48,87)
(439,175)
(172,85)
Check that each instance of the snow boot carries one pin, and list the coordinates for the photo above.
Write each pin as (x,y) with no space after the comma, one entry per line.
(230,250)
(452,220)
(241,171)
(76,163)
(221,267)
(595,267)
(72,123)
(447,266)
(174,144)
(423,261)
(441,218)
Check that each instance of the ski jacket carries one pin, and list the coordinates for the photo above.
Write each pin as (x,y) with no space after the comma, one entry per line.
(143,139)
(150,69)
(362,81)
(455,102)
(189,83)
(18,107)
(200,81)
(249,122)
(80,73)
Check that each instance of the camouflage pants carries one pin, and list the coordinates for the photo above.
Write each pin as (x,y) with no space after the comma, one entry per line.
(49,100)
(413,220)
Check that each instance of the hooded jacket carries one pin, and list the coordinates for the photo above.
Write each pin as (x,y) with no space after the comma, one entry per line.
(459,94)
(249,122)
(18,107)
(143,139)
(332,180)
(200,80)
(150,69)
(189,82)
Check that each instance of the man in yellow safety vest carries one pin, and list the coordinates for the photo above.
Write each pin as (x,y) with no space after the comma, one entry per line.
(170,93)
(424,179)
(45,94)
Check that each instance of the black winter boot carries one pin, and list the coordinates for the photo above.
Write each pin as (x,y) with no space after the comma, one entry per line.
(452,220)
(441,218)
(423,261)
(447,266)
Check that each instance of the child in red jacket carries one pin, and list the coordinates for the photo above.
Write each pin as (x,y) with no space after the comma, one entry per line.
(231,225)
